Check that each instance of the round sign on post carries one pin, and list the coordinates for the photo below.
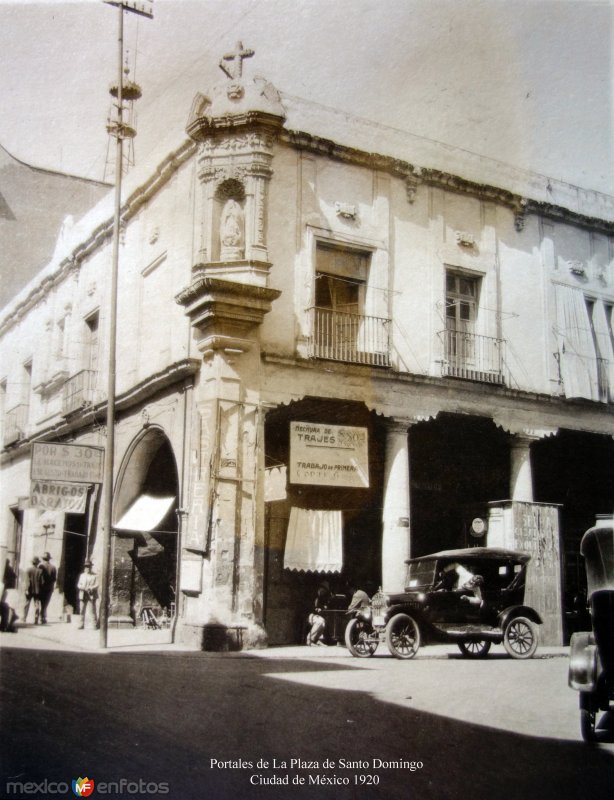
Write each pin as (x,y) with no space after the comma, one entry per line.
(478,527)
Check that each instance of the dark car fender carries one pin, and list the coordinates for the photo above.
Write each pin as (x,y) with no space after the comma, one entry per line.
(518,611)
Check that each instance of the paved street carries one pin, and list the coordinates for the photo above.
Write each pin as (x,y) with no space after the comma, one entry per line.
(147,711)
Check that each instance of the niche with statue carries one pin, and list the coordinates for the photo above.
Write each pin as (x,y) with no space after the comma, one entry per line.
(229,222)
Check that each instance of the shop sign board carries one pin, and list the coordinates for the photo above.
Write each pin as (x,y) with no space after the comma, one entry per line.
(67,463)
(329,455)
(70,497)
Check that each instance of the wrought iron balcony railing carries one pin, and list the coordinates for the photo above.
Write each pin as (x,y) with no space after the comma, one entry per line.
(79,391)
(15,424)
(351,338)
(473,357)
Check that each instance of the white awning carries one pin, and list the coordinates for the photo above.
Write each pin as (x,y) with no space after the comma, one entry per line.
(145,514)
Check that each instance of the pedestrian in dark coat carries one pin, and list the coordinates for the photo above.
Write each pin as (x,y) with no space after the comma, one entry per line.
(33,587)
(48,577)
(8,595)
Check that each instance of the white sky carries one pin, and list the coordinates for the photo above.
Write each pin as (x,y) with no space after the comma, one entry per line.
(528,82)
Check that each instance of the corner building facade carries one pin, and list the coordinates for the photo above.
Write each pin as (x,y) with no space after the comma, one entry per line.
(336,351)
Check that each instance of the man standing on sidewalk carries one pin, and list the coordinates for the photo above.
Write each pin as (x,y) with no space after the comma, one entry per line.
(88,592)
(33,589)
(49,576)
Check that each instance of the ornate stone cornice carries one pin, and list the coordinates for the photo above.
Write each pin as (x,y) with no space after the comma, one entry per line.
(224,313)
(203,127)
(415,176)
(204,285)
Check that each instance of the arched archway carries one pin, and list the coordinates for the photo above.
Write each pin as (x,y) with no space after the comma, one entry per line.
(145,527)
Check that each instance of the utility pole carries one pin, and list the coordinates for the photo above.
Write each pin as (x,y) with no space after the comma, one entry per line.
(120,131)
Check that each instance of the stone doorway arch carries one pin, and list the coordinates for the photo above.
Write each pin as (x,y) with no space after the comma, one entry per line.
(144,558)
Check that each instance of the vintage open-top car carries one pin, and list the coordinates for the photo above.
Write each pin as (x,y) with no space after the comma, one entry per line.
(472,597)
(591,656)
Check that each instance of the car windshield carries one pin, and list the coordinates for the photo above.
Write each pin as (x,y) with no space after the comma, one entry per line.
(421,573)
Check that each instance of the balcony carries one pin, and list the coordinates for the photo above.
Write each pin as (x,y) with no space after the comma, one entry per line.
(79,391)
(15,423)
(351,338)
(473,357)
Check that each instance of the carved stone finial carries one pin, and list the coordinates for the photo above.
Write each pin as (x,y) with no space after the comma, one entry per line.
(235,71)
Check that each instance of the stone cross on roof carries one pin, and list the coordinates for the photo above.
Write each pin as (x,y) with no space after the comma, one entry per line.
(235,70)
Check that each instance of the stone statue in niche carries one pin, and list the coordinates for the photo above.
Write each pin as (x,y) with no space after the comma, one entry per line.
(232,227)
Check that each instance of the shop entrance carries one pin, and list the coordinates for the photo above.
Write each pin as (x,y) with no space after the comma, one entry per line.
(459,464)
(576,471)
(324,509)
(145,530)
(73,555)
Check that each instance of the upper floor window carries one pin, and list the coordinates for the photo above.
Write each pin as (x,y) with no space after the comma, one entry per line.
(341,330)
(90,343)
(467,354)
(26,383)
(585,353)
(601,333)
(80,388)
(16,417)
(461,302)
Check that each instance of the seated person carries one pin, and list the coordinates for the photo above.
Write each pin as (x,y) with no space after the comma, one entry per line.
(316,618)
(465,580)
(360,599)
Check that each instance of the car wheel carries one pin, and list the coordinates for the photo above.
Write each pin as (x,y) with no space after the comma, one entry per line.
(358,639)
(520,638)
(587,718)
(403,636)
(475,649)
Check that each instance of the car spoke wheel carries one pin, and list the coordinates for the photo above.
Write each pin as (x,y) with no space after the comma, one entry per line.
(403,636)
(520,638)
(358,639)
(587,718)
(477,649)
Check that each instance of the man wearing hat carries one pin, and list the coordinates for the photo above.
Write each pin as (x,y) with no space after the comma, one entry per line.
(48,577)
(88,592)
(33,589)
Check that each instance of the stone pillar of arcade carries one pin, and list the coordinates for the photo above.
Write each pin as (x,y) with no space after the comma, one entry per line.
(396,538)
(521,474)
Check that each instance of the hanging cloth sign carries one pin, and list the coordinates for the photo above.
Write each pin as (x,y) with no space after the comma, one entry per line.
(70,497)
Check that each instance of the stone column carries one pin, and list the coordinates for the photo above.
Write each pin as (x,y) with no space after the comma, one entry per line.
(521,478)
(396,531)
